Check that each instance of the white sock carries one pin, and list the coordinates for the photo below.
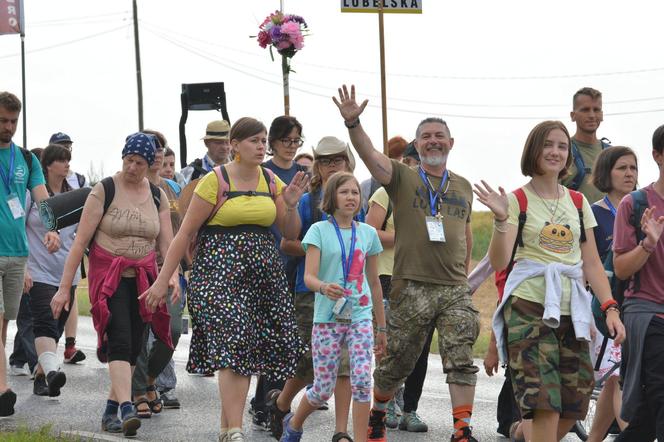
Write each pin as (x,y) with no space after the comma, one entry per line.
(48,361)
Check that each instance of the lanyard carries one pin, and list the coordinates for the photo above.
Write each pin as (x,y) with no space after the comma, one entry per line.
(611,207)
(7,179)
(433,195)
(345,263)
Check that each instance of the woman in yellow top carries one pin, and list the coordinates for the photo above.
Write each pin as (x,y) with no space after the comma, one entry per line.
(242,313)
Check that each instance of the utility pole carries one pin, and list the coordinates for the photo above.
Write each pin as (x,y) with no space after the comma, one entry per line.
(139,80)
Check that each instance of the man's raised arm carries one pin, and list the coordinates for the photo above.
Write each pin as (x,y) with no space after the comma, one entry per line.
(379,165)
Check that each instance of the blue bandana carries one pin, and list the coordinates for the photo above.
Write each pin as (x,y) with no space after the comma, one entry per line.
(140,144)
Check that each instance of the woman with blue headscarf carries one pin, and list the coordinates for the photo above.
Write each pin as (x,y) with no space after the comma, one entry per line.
(125,218)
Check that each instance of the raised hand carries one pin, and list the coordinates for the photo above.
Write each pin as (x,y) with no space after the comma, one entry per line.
(297,187)
(652,227)
(496,201)
(348,107)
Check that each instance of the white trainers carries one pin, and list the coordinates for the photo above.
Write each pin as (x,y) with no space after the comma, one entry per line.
(20,371)
(235,436)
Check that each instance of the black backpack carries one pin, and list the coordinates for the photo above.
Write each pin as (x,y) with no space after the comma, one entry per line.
(199,171)
(109,193)
(581,169)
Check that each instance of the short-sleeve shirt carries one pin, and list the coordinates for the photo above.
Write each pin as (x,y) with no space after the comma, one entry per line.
(549,238)
(244,209)
(385,259)
(128,229)
(415,256)
(589,153)
(13,240)
(323,236)
(304,210)
(651,283)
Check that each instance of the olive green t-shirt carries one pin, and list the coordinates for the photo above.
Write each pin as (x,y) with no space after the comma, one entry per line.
(589,153)
(416,257)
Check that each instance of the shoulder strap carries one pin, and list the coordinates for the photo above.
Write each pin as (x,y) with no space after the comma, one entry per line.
(81,180)
(639,205)
(388,213)
(605,143)
(580,168)
(109,192)
(27,156)
(271,182)
(156,195)
(222,189)
(522,199)
(314,207)
(198,172)
(577,198)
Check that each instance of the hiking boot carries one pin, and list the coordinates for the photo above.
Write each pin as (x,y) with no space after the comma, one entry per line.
(130,424)
(465,437)
(376,431)
(391,418)
(169,400)
(111,424)
(55,380)
(73,355)
(39,386)
(261,421)
(412,422)
(275,415)
(289,435)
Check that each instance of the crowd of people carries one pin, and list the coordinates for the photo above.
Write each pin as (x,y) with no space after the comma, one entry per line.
(295,272)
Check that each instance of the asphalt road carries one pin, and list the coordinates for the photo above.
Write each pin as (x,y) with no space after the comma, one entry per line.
(78,410)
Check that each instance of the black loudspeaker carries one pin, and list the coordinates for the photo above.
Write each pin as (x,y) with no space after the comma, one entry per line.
(199,96)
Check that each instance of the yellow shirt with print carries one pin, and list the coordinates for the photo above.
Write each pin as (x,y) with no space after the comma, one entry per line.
(549,238)
(386,257)
(244,209)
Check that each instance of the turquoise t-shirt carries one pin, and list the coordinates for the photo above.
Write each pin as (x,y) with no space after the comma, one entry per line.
(13,241)
(323,236)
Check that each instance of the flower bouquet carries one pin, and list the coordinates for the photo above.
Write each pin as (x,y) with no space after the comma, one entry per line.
(285,32)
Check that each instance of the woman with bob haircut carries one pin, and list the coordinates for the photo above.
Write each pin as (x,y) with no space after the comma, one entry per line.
(241,311)
(543,321)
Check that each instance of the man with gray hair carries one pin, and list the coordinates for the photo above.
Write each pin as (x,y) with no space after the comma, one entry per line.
(432,207)
(218,151)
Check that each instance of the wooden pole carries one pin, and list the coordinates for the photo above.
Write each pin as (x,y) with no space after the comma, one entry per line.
(383,88)
(285,68)
(139,79)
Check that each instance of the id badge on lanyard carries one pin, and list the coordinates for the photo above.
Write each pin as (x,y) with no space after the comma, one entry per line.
(343,308)
(14,204)
(434,222)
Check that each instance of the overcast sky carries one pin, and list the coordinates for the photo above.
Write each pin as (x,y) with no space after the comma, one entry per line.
(492,69)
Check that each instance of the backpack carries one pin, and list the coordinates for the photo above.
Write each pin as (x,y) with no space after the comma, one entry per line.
(27,156)
(81,180)
(109,193)
(199,171)
(581,169)
(224,193)
(619,286)
(501,276)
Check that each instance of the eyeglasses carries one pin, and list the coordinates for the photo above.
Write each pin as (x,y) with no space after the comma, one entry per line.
(297,142)
(336,161)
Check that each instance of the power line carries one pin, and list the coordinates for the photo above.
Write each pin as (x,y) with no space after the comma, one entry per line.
(397,109)
(65,43)
(73,19)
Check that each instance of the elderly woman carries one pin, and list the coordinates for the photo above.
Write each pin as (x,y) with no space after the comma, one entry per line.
(241,310)
(124,219)
(331,155)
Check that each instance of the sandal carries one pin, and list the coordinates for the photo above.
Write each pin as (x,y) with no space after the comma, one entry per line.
(341,435)
(143,413)
(155,405)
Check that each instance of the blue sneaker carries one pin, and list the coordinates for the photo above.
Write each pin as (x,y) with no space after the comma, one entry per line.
(290,435)
(111,424)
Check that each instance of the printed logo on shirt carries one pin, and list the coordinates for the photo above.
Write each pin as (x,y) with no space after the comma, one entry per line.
(453,205)
(20,172)
(556,238)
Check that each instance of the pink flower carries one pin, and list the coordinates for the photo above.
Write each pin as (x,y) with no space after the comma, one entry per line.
(284,44)
(291,28)
(298,42)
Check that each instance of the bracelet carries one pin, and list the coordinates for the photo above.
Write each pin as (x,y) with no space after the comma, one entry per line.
(320,289)
(608,304)
(353,124)
(647,249)
(380,329)
(612,307)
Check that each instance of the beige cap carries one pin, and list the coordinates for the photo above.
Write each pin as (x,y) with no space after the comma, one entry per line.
(328,146)
(217,130)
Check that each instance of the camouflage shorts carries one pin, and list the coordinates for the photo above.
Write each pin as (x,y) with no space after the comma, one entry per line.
(414,308)
(304,316)
(551,369)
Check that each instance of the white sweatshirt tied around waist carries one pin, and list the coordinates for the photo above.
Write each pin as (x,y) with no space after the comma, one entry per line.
(553,273)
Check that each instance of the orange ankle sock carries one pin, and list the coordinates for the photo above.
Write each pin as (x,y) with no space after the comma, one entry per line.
(461,415)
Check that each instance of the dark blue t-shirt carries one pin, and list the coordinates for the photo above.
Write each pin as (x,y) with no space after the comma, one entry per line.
(604,229)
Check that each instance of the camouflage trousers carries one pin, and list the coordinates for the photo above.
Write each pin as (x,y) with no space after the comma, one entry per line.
(551,369)
(414,308)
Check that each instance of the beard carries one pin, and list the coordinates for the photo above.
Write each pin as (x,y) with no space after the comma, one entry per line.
(434,161)
(5,138)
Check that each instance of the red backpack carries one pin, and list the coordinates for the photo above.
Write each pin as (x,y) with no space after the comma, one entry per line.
(501,276)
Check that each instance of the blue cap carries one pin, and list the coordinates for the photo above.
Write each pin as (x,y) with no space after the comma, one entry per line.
(140,144)
(59,138)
